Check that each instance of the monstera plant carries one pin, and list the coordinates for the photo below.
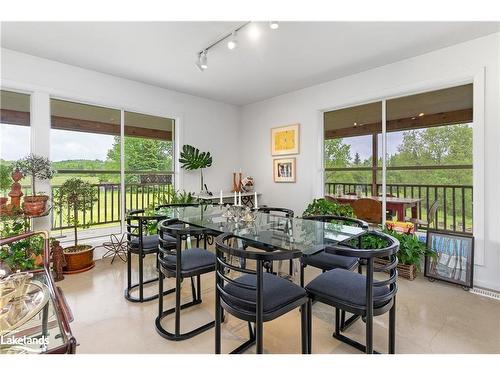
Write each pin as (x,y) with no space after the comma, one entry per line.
(192,159)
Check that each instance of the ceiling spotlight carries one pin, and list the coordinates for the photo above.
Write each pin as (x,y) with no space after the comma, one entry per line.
(233,42)
(202,63)
(355,124)
(274,25)
(421,114)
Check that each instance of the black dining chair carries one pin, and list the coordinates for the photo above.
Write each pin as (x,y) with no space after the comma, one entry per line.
(252,295)
(182,263)
(325,261)
(140,243)
(142,240)
(360,294)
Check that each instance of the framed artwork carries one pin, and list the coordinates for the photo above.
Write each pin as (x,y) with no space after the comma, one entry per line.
(284,170)
(285,140)
(455,258)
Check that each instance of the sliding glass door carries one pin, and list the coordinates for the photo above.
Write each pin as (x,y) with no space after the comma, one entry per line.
(149,160)
(85,144)
(126,157)
(428,158)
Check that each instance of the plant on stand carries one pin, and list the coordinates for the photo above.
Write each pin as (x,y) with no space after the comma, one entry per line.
(192,159)
(73,197)
(35,167)
(21,255)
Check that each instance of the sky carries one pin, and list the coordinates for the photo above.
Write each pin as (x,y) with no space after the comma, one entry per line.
(65,145)
(363,144)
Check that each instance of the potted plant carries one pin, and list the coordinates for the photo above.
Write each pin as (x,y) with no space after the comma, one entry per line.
(191,159)
(22,255)
(322,206)
(410,254)
(76,196)
(36,167)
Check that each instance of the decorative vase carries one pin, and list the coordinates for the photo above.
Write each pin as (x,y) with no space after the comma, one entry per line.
(35,205)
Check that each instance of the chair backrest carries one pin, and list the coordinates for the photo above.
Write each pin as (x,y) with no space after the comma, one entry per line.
(225,251)
(181,232)
(138,224)
(368,209)
(344,220)
(431,214)
(276,211)
(388,253)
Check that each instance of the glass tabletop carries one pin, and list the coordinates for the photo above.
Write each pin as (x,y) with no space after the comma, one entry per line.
(39,333)
(267,230)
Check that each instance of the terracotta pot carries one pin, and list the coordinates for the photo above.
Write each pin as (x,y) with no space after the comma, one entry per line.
(78,261)
(35,205)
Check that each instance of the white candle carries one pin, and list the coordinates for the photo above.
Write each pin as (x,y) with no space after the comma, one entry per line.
(255,200)
(235,203)
(239,198)
(220,200)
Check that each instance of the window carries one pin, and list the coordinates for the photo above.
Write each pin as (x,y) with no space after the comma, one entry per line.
(149,151)
(15,134)
(85,143)
(429,153)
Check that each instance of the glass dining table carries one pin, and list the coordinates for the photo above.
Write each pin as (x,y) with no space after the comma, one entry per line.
(265,231)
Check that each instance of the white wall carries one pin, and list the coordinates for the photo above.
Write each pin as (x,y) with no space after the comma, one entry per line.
(439,68)
(206,124)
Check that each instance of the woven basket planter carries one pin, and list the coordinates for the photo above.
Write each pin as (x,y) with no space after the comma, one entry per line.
(408,271)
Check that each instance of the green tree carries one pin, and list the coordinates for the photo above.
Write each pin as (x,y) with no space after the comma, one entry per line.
(142,154)
(357,159)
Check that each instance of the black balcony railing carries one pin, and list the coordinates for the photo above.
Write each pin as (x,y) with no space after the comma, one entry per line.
(455,205)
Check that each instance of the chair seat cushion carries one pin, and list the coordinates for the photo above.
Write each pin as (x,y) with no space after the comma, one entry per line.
(344,286)
(278,293)
(191,260)
(328,261)
(149,243)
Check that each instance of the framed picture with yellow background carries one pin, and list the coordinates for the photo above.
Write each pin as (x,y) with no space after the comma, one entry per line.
(285,140)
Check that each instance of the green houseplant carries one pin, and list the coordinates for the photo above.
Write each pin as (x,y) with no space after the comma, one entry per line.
(24,254)
(192,159)
(322,206)
(410,254)
(74,197)
(35,167)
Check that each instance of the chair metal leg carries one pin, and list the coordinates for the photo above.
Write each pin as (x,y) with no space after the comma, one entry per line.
(304,323)
(309,326)
(218,321)
(302,268)
(141,276)
(140,284)
(392,327)
(337,321)
(177,335)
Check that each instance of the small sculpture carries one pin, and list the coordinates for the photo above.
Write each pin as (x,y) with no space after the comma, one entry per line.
(58,261)
(15,194)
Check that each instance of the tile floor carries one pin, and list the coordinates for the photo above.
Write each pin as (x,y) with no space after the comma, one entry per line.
(431,318)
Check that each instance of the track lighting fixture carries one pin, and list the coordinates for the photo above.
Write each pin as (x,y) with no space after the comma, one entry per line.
(233,41)
(202,63)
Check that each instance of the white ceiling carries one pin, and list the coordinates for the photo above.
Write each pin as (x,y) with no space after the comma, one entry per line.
(266,63)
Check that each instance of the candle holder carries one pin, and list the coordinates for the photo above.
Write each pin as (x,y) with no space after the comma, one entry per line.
(236,186)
